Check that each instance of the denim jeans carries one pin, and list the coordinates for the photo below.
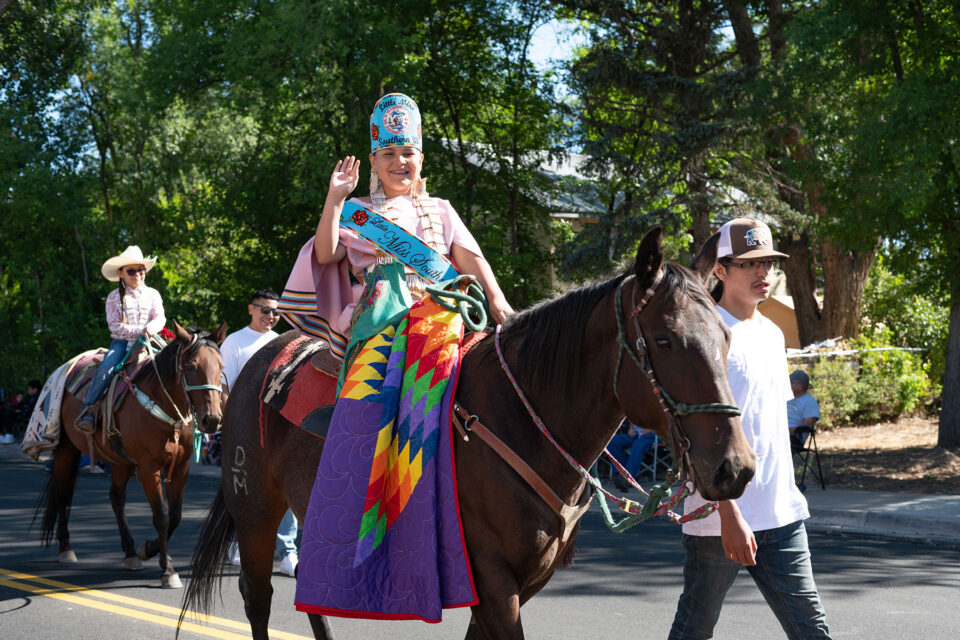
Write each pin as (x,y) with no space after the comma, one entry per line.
(287,534)
(638,445)
(783,573)
(113,357)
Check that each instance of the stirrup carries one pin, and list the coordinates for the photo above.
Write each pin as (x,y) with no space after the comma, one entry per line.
(84,426)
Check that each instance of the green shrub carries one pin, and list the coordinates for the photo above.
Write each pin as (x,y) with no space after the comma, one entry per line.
(890,382)
(895,313)
(833,382)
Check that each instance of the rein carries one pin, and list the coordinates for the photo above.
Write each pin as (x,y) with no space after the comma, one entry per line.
(678,441)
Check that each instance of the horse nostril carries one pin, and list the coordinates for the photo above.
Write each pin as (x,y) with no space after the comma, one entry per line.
(210,423)
(725,476)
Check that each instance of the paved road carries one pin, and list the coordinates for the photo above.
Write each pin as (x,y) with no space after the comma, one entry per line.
(622,586)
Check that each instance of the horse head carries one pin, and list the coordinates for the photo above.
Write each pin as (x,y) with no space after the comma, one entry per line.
(202,368)
(671,373)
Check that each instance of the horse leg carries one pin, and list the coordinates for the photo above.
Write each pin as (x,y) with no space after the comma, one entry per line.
(496,618)
(62,484)
(256,567)
(118,500)
(320,626)
(152,487)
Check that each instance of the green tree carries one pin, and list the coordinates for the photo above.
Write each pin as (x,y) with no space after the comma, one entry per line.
(206,133)
(887,118)
(655,93)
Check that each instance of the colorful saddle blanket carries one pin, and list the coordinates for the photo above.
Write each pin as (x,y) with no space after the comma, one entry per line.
(300,393)
(382,537)
(79,379)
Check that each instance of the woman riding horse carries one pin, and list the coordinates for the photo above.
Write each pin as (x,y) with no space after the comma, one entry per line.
(133,310)
(397,193)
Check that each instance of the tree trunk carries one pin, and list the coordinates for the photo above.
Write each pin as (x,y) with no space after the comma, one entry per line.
(950,411)
(747,47)
(845,275)
(801,275)
(696,182)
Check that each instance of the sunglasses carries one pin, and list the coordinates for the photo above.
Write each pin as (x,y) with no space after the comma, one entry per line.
(133,272)
(271,310)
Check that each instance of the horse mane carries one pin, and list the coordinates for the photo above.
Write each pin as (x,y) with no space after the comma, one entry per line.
(552,333)
(166,359)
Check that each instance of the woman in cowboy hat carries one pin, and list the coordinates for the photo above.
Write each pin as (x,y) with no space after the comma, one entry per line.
(133,309)
(335,274)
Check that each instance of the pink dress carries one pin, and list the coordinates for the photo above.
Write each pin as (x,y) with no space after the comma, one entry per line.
(319,299)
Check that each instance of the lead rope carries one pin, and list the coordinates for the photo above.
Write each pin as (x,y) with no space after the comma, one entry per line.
(638,513)
(468,298)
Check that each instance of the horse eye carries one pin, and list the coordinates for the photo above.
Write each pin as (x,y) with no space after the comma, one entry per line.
(663,343)
(189,367)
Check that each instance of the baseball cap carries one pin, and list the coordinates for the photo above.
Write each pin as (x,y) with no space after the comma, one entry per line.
(746,238)
(801,376)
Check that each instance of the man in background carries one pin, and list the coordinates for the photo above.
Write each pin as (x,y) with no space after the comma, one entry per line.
(236,350)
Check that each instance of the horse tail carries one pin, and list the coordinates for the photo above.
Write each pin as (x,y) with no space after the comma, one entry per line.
(215,537)
(50,501)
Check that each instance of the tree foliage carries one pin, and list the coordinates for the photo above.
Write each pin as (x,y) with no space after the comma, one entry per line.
(206,133)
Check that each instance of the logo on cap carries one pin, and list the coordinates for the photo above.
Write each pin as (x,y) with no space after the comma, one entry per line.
(758,235)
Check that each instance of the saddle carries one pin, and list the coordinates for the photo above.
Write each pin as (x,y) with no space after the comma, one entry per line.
(106,435)
(325,362)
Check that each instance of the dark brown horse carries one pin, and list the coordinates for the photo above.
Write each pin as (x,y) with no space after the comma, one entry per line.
(185,381)
(570,356)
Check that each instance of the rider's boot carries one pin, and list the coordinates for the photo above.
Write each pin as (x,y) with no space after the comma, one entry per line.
(85,421)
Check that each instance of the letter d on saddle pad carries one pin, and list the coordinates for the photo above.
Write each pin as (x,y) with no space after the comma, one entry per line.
(382,536)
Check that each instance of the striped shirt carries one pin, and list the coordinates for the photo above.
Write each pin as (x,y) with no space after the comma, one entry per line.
(142,309)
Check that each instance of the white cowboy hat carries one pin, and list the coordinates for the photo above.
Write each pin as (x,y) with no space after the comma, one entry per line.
(130,255)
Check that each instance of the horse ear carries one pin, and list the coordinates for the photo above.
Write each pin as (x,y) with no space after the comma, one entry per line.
(649,256)
(182,334)
(705,261)
(218,334)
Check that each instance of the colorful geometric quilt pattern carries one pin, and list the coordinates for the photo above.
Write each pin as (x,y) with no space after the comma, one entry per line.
(382,534)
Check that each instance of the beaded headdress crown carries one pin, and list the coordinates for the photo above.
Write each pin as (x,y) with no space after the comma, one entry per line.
(395,122)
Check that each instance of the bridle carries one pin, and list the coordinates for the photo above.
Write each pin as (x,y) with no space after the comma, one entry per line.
(673,409)
(181,421)
(677,438)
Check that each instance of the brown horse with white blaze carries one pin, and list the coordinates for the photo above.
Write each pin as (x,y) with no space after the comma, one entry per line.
(184,380)
(572,358)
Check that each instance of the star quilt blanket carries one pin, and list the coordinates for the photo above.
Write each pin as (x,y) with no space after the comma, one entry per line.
(382,536)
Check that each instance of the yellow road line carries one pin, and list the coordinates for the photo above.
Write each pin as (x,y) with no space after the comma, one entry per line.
(89,601)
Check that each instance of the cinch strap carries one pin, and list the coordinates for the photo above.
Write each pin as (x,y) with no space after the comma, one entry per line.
(397,242)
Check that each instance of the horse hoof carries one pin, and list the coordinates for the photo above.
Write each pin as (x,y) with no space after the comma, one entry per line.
(142,552)
(132,563)
(171,582)
(67,557)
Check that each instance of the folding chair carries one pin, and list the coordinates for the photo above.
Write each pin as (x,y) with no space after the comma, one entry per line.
(803,444)
(656,460)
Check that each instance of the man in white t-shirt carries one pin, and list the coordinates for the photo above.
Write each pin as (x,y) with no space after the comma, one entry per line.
(763,529)
(239,347)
